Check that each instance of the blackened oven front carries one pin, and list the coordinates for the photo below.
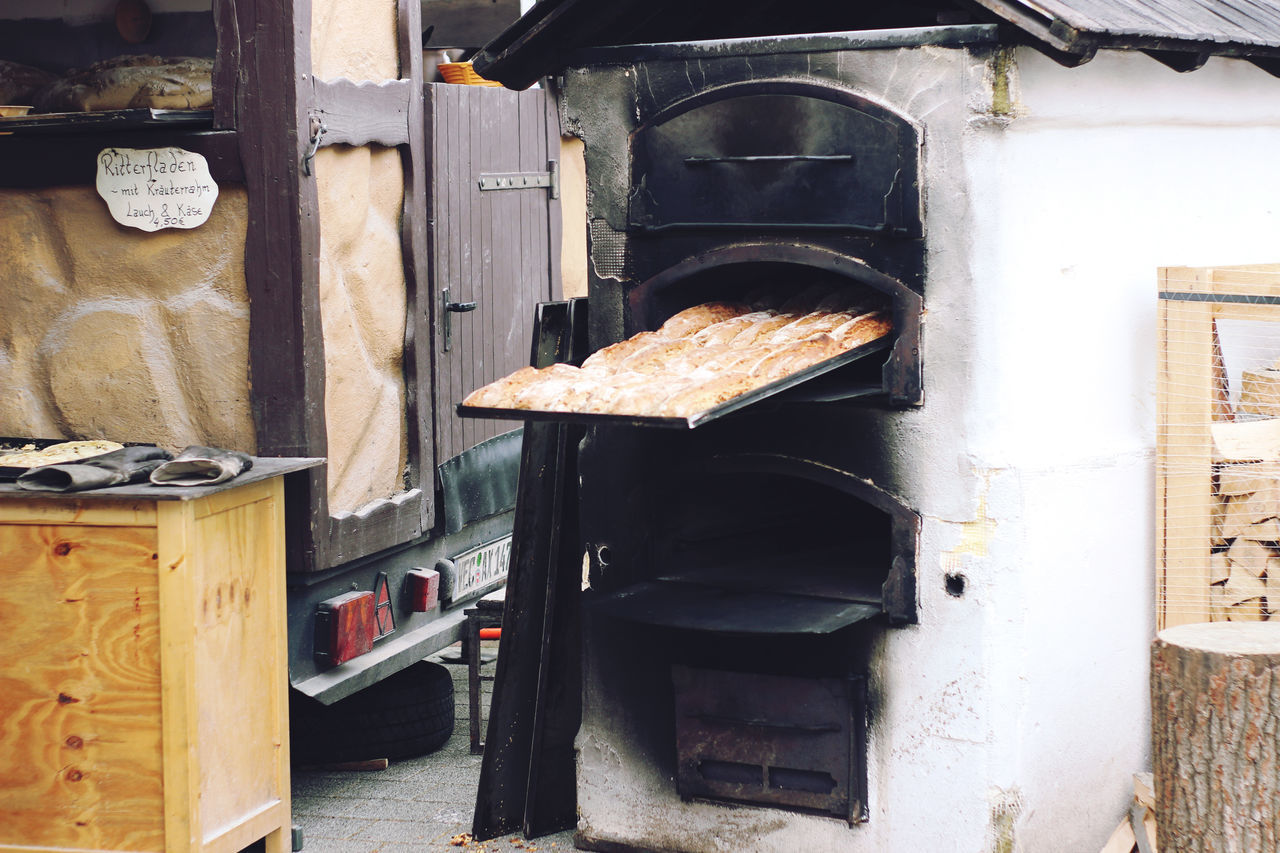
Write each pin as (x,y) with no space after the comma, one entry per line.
(741,572)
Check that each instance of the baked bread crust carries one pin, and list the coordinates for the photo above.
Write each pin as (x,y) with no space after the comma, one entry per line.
(700,358)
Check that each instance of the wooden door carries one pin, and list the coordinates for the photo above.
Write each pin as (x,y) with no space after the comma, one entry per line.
(498,248)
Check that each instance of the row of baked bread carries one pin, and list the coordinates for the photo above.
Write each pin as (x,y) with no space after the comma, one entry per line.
(124,82)
(700,358)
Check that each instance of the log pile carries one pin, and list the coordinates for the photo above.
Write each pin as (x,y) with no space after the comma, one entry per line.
(1246,539)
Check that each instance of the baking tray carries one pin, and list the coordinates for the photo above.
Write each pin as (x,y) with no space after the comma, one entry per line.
(104,120)
(742,401)
(13,472)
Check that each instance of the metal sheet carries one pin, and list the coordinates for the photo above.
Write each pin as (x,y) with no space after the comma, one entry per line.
(481,481)
(105,120)
(742,401)
(733,611)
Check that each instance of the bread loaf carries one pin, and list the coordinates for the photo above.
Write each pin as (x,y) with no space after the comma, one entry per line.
(698,317)
(862,330)
(499,394)
(19,83)
(795,357)
(129,82)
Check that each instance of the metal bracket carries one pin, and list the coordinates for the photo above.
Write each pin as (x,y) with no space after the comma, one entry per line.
(318,129)
(524,180)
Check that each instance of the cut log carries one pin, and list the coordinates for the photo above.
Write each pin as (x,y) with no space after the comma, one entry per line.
(1246,555)
(1251,516)
(1245,478)
(1215,698)
(1217,604)
(1234,521)
(1248,610)
(1218,520)
(1260,392)
(1246,441)
(1219,568)
(1263,531)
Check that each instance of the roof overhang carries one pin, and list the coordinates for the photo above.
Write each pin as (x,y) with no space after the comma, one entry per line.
(1180,33)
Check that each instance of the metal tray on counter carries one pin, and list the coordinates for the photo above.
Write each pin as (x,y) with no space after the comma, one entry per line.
(735,404)
(103,120)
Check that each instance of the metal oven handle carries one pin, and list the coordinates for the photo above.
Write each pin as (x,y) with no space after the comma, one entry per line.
(768,158)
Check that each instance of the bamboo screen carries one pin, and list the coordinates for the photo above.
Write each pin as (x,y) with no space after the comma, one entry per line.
(1218,445)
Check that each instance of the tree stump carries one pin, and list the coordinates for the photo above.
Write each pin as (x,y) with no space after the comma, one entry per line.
(1215,735)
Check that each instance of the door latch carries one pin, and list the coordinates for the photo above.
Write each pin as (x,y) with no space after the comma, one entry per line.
(446,316)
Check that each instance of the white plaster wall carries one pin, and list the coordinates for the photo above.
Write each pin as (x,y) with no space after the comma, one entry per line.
(1106,172)
(1012,718)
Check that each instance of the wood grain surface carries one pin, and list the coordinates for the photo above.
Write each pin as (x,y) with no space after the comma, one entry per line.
(80,751)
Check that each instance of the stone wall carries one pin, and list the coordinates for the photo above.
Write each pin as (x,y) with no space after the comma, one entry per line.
(110,332)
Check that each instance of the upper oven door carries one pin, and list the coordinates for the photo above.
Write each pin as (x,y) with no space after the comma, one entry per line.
(776,154)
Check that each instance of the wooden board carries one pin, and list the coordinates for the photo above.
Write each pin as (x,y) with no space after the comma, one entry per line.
(80,761)
(143,689)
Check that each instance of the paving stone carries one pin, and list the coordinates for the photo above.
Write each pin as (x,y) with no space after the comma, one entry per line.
(417,804)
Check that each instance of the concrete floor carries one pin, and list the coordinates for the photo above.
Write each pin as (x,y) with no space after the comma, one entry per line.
(424,803)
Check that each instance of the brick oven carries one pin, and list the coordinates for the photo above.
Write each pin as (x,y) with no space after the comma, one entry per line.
(902,602)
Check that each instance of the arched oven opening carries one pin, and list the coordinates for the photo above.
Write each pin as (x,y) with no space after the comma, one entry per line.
(768,578)
(759,544)
(797,278)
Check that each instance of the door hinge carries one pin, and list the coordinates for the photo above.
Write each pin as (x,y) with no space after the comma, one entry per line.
(524,180)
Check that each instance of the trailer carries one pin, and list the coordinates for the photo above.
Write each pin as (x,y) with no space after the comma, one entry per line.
(349,268)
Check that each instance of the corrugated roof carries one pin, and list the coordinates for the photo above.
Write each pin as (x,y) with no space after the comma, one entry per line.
(1181,33)
(1233,27)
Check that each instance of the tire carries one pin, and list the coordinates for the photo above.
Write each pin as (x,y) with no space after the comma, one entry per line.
(407,714)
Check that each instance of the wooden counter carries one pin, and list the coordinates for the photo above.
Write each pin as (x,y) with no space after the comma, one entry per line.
(143,667)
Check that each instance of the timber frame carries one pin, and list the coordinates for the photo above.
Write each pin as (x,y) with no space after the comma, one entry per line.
(268,107)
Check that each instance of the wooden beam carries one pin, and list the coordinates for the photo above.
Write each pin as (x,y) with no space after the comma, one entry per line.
(55,160)
(419,329)
(364,113)
(282,269)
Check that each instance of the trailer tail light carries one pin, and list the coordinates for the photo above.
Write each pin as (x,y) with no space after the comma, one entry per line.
(345,627)
(423,589)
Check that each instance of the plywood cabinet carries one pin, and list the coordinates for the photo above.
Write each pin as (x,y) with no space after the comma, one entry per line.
(143,701)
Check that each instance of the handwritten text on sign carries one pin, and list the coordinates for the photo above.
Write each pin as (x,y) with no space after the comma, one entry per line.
(154,188)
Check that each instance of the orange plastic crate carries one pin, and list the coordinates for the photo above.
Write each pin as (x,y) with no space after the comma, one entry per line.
(462,72)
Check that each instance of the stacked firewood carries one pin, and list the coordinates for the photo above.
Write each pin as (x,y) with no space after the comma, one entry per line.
(1246,559)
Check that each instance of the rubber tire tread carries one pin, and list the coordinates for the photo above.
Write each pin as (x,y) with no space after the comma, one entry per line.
(407,714)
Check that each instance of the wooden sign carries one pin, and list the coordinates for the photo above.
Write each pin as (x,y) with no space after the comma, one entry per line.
(154,188)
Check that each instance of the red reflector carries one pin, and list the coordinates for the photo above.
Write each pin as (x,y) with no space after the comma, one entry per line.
(345,627)
(490,633)
(423,589)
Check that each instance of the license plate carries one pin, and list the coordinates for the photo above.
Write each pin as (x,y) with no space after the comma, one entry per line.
(481,567)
